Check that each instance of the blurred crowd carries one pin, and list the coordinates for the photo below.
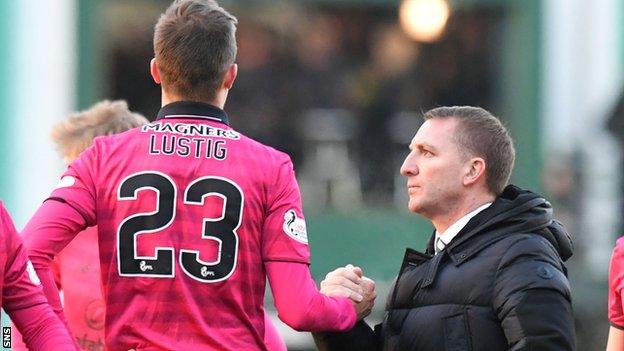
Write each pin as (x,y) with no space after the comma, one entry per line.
(339,88)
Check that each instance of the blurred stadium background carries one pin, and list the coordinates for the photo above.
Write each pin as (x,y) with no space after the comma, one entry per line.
(340,85)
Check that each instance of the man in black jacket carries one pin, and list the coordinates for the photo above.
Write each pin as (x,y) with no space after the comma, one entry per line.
(492,277)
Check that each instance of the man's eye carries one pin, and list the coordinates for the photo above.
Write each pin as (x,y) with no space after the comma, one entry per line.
(427,153)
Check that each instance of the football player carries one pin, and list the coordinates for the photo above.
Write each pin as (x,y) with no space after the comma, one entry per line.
(22,297)
(192,216)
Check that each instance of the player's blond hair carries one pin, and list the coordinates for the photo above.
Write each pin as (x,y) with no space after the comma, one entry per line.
(74,134)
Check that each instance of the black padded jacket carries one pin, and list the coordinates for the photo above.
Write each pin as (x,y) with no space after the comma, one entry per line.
(499,285)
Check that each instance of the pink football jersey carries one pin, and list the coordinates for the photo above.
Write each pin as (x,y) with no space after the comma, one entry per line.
(19,285)
(272,339)
(22,297)
(78,270)
(188,210)
(616,286)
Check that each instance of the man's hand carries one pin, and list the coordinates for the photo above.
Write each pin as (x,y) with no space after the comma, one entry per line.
(365,307)
(349,282)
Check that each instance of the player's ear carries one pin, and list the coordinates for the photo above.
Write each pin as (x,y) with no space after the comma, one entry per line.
(155,72)
(230,76)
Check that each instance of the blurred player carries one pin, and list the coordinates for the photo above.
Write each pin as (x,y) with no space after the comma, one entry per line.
(191,214)
(272,339)
(77,267)
(22,298)
(616,298)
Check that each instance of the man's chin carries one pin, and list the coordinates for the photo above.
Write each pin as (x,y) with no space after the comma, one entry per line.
(413,207)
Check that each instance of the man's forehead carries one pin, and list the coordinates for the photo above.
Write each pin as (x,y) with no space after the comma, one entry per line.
(419,141)
(433,131)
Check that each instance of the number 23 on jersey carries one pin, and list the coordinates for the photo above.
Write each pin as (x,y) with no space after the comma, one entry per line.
(222,230)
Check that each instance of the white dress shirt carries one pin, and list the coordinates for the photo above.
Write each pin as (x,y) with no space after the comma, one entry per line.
(452,231)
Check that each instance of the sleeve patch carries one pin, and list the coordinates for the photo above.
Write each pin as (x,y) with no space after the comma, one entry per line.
(34,278)
(295,227)
(66,182)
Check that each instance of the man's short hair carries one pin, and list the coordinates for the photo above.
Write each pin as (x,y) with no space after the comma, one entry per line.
(74,134)
(194,45)
(481,134)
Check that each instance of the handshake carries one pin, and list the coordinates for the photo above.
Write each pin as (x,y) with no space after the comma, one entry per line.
(350,282)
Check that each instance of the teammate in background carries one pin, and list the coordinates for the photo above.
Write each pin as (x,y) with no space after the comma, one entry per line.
(77,270)
(616,298)
(272,338)
(192,216)
(22,298)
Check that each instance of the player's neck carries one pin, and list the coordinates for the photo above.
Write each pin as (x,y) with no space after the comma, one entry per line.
(218,101)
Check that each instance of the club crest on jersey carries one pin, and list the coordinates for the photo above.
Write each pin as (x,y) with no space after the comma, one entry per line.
(66,182)
(295,227)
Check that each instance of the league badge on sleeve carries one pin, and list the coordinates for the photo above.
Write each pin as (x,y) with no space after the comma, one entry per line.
(32,274)
(295,227)
(66,182)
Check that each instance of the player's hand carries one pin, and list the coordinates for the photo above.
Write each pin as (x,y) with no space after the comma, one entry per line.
(349,282)
(344,282)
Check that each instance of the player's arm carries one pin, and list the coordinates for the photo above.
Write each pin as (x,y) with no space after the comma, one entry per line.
(23,299)
(532,298)
(69,209)
(272,339)
(616,310)
(42,329)
(616,339)
(299,303)
(286,256)
(51,228)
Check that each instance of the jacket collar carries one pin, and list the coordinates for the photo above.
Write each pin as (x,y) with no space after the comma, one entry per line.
(515,211)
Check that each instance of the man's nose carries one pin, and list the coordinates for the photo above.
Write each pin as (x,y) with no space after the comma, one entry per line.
(409,167)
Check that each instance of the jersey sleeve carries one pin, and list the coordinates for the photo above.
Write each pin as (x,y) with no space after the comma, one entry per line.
(285,236)
(23,299)
(616,283)
(272,339)
(77,185)
(299,303)
(21,285)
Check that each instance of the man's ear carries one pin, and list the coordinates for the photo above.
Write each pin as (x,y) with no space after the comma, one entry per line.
(230,76)
(475,171)
(154,71)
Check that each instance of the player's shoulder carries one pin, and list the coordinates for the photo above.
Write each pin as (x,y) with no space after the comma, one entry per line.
(7,228)
(116,138)
(4,213)
(104,143)
(618,250)
(268,154)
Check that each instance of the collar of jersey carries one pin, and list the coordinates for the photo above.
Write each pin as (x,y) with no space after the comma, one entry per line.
(192,110)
